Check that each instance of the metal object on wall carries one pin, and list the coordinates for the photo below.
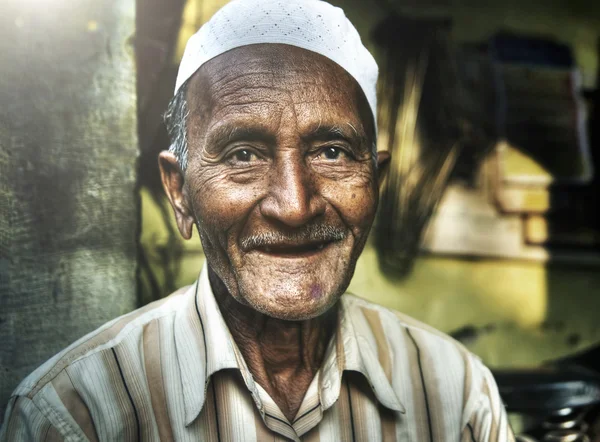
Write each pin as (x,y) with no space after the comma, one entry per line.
(68,152)
(556,400)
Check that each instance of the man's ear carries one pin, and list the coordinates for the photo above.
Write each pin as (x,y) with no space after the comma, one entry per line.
(383,162)
(173,182)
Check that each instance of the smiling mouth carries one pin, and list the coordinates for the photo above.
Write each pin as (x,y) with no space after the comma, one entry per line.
(294,250)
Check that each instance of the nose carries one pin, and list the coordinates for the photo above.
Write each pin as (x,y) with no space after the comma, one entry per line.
(292,198)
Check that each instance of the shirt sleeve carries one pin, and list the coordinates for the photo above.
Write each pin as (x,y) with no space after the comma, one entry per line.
(25,422)
(486,419)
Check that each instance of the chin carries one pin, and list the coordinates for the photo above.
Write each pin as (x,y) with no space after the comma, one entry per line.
(292,300)
(296,314)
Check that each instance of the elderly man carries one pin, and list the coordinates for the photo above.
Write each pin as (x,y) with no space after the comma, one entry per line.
(273,160)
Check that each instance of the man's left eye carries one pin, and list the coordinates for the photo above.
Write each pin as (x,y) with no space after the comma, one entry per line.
(242,157)
(332,153)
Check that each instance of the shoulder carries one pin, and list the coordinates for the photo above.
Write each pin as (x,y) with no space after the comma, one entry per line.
(398,323)
(430,372)
(422,361)
(87,383)
(101,340)
(419,352)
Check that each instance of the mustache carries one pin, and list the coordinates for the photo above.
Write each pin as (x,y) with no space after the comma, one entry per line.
(312,233)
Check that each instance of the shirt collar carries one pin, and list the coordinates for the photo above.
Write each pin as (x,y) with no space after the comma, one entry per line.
(205,346)
(356,348)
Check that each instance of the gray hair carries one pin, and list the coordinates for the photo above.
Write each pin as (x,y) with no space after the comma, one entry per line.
(176,121)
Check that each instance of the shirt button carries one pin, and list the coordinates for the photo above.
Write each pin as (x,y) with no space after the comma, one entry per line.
(326,385)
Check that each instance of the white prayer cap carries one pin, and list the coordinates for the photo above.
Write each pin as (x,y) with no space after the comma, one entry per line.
(309,24)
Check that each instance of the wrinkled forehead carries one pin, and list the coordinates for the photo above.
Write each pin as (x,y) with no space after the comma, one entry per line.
(260,79)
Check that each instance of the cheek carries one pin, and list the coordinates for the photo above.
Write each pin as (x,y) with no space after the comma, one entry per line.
(356,202)
(220,203)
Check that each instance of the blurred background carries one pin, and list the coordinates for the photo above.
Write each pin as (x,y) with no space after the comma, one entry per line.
(488,226)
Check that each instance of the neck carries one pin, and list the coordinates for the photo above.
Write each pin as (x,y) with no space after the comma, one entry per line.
(283,356)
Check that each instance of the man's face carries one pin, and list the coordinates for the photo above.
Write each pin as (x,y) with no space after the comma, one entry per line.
(281,180)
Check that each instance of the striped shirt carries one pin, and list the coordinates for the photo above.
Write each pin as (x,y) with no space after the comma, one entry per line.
(171,371)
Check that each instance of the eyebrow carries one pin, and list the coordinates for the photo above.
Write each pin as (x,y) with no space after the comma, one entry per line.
(229,133)
(224,134)
(347,133)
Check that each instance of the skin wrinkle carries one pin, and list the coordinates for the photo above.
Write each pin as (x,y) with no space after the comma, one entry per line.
(228,77)
(273,163)
(222,133)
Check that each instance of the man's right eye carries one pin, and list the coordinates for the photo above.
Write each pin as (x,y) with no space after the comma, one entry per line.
(242,156)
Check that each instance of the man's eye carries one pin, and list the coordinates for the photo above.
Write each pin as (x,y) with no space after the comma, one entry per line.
(332,153)
(243,156)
